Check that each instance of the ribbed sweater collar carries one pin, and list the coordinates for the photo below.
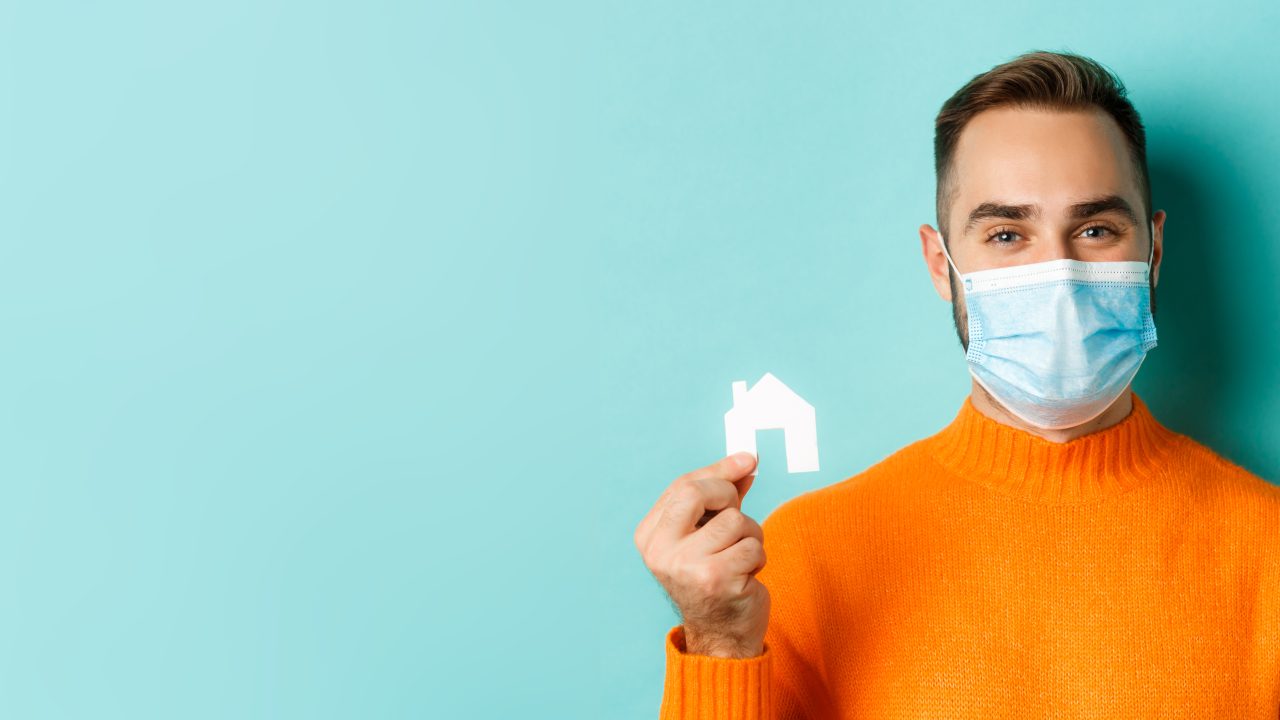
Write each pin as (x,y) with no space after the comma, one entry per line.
(1087,469)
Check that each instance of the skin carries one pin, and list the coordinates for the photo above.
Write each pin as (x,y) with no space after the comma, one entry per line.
(1014,156)
(708,567)
(1051,159)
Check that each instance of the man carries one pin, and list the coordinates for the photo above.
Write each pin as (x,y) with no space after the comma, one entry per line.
(1054,551)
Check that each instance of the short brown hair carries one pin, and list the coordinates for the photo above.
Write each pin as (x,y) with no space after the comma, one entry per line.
(1043,80)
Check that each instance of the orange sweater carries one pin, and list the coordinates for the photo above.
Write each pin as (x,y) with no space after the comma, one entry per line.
(984,572)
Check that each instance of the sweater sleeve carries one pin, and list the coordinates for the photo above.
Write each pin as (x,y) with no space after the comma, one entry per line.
(783,682)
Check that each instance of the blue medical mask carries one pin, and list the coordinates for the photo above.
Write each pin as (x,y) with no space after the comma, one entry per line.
(1056,342)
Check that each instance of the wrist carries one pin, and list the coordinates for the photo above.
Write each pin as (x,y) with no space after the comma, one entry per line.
(699,643)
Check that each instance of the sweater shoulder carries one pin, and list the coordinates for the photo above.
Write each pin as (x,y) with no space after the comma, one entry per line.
(1221,473)
(1225,493)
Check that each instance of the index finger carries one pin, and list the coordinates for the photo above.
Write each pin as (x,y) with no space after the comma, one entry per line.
(717,489)
(731,468)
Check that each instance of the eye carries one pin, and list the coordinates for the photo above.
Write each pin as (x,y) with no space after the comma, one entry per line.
(1001,236)
(1107,231)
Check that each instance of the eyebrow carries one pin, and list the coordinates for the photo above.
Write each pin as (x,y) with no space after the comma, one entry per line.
(1078,211)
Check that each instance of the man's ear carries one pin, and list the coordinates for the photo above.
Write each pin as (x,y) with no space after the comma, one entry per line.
(1158,253)
(935,261)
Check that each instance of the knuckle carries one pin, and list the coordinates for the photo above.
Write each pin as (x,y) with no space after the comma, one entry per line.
(647,558)
(658,564)
(643,545)
(706,578)
(653,547)
(737,522)
(697,574)
(686,491)
(681,570)
(732,517)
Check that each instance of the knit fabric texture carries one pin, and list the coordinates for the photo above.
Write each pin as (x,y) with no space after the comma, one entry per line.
(985,572)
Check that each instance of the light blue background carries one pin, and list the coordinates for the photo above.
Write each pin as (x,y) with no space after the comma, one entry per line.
(346,343)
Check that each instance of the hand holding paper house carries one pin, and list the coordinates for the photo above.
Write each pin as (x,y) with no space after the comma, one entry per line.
(771,405)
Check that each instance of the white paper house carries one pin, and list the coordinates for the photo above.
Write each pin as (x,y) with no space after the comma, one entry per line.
(771,405)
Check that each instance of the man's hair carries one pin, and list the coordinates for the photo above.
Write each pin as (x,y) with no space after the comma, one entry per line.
(1040,80)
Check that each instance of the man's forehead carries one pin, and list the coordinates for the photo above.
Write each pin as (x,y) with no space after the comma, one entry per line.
(1023,164)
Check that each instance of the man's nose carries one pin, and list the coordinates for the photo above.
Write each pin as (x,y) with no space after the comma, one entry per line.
(1056,247)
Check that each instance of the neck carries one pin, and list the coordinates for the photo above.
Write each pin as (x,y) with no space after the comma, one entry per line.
(989,406)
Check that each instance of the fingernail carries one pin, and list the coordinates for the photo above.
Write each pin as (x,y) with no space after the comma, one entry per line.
(743,459)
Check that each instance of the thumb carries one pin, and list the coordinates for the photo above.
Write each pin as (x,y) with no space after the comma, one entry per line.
(743,486)
(745,482)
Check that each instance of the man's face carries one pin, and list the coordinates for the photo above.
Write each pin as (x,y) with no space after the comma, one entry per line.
(1037,185)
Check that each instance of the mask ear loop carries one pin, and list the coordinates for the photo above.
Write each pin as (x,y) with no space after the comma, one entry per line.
(951,262)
